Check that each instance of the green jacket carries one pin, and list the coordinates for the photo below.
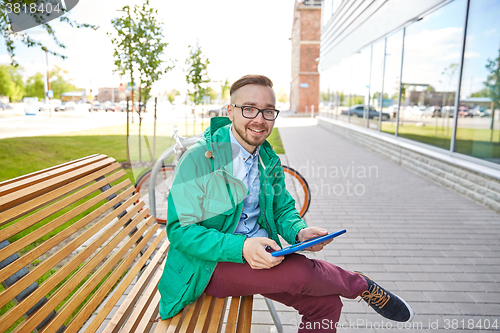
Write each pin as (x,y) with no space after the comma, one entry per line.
(204,207)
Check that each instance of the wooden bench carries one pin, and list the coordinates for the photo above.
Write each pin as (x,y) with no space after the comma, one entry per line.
(74,241)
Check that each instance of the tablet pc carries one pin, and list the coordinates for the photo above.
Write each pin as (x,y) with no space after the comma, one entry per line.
(305,244)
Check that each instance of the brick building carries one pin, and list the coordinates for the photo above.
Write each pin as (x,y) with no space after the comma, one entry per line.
(304,88)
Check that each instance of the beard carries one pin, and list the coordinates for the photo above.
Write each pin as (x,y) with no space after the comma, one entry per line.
(253,141)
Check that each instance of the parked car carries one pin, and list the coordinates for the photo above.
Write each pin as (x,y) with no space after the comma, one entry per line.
(110,106)
(480,111)
(447,110)
(66,106)
(463,111)
(218,112)
(43,106)
(435,111)
(96,106)
(4,106)
(419,110)
(359,111)
(123,106)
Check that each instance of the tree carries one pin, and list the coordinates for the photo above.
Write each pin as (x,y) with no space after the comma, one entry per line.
(485,92)
(324,95)
(430,88)
(225,89)
(282,96)
(450,73)
(139,47)
(197,76)
(138,51)
(11,83)
(212,94)
(34,86)
(376,95)
(493,84)
(172,94)
(58,83)
(10,38)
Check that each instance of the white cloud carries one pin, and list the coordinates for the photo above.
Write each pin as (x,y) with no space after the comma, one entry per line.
(471,55)
(490,32)
(5,59)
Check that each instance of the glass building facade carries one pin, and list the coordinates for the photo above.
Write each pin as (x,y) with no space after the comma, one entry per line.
(435,80)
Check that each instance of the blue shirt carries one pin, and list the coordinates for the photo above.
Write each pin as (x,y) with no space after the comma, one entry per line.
(246,169)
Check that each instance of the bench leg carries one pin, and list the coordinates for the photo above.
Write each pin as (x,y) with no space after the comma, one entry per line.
(274,314)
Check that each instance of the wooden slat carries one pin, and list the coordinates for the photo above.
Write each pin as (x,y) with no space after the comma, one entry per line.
(143,303)
(15,198)
(162,326)
(174,323)
(59,237)
(233,315)
(56,278)
(33,174)
(46,175)
(189,322)
(217,315)
(85,290)
(146,323)
(128,304)
(59,221)
(205,313)
(50,262)
(113,299)
(26,207)
(31,323)
(245,315)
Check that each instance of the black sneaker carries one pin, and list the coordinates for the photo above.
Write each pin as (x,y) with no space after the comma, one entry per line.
(385,303)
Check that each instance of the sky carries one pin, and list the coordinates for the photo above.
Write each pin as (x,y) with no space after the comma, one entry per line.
(238,37)
(432,44)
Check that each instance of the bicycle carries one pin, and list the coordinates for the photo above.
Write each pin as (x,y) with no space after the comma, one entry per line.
(294,181)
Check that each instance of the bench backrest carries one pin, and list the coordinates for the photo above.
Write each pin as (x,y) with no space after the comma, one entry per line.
(70,235)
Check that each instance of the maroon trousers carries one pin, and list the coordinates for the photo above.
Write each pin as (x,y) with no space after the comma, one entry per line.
(310,286)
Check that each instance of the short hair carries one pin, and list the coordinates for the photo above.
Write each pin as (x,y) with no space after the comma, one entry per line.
(259,80)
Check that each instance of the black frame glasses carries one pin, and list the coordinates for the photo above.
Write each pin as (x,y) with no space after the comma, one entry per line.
(258,111)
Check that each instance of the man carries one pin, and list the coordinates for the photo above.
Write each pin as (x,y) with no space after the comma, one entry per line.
(228,204)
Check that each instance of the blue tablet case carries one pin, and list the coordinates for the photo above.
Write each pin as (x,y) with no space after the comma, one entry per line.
(305,244)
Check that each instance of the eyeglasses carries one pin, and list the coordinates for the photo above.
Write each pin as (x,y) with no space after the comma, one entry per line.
(251,112)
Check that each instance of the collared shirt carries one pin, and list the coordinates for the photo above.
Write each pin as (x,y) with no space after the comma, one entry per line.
(246,169)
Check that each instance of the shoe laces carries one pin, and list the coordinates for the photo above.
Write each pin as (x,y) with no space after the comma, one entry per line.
(377,297)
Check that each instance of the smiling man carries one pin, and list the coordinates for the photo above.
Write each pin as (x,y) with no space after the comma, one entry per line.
(228,204)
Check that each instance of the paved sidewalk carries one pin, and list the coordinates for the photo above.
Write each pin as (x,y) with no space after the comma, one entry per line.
(437,249)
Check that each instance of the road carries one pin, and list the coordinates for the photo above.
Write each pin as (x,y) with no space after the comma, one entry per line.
(16,124)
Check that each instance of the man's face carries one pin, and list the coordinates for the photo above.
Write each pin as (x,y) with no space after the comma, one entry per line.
(251,133)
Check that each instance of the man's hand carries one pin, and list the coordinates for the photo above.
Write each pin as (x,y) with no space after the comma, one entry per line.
(313,232)
(256,255)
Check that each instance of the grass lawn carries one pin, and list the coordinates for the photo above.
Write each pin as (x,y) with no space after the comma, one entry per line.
(480,143)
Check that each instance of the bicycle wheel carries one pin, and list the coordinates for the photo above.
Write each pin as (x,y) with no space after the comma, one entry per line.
(164,181)
(298,188)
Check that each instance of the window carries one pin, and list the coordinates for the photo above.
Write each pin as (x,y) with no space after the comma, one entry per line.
(478,128)
(430,75)
(376,80)
(360,90)
(391,80)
